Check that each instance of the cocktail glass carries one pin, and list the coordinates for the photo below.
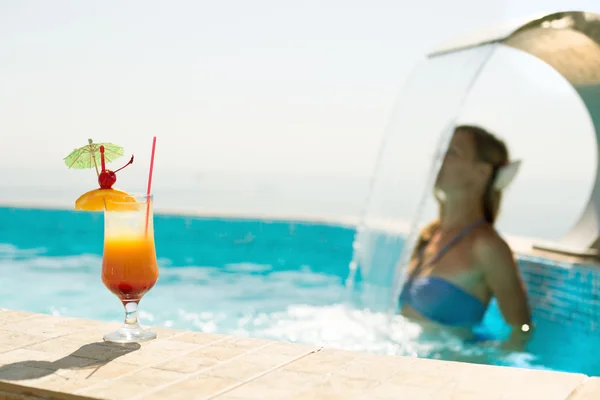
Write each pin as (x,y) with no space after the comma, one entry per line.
(129,267)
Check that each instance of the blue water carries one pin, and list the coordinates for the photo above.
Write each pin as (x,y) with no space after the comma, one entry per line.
(275,280)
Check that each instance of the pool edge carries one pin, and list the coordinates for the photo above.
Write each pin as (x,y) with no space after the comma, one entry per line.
(65,358)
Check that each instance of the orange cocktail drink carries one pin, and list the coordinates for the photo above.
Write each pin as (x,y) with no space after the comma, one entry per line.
(129,267)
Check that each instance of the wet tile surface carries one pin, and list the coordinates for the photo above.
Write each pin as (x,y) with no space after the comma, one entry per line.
(64,358)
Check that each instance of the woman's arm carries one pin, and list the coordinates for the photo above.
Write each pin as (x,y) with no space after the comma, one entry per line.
(503,277)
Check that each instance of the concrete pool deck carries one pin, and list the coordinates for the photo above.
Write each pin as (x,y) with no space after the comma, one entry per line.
(49,357)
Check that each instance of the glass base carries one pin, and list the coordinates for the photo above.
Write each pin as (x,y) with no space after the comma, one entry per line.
(130,335)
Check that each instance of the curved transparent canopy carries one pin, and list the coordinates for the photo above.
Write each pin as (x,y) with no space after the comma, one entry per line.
(400,199)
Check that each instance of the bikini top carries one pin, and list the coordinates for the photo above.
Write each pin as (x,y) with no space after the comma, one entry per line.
(438,299)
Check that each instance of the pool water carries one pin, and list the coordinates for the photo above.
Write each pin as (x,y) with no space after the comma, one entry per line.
(275,280)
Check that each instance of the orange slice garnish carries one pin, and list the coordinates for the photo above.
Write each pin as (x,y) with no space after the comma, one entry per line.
(106,199)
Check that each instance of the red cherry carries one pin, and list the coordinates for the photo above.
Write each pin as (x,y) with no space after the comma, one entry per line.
(125,288)
(107,179)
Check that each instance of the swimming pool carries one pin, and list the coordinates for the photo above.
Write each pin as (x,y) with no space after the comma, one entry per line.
(276,280)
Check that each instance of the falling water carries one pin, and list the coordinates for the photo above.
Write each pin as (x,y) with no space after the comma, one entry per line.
(400,198)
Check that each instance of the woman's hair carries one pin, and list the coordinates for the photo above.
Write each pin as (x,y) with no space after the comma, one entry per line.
(488,149)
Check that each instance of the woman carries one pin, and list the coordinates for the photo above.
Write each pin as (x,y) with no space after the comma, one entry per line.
(460,262)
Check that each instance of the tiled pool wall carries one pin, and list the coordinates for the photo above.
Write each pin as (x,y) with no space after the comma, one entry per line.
(561,292)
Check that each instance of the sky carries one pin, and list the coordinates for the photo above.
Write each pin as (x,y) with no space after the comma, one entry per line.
(265,106)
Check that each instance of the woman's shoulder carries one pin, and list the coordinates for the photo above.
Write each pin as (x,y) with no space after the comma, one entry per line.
(488,244)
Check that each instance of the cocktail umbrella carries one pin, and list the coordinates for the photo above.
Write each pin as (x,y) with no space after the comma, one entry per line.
(88,156)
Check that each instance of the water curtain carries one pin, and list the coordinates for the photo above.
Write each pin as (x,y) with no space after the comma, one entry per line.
(401,199)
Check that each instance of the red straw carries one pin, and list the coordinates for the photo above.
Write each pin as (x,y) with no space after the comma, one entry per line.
(150,183)
(102,158)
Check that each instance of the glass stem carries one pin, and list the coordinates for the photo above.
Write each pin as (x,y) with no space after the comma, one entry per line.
(131,320)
